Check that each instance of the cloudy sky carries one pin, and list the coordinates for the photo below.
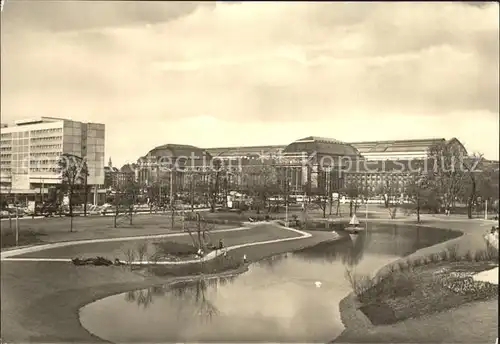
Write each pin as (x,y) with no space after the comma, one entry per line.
(222,74)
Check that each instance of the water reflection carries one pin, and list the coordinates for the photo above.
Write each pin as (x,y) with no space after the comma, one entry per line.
(347,250)
(277,300)
(190,296)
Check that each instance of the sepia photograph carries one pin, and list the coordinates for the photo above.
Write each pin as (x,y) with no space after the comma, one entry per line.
(249,171)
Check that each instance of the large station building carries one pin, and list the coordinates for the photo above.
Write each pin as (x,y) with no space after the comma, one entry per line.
(311,164)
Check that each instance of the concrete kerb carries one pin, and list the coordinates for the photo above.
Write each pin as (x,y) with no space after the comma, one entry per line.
(10,255)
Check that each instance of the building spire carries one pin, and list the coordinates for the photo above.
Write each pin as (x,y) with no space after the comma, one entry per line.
(110,164)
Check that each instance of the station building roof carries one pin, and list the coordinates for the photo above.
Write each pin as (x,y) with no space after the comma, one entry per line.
(376,150)
(176,150)
(322,146)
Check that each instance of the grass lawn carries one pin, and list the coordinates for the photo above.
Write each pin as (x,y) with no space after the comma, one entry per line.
(40,300)
(424,286)
(119,249)
(46,230)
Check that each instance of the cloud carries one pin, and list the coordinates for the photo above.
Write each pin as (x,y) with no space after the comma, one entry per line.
(123,63)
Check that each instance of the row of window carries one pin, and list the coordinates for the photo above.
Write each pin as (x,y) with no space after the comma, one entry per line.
(376,176)
(51,131)
(43,169)
(45,138)
(54,154)
(43,147)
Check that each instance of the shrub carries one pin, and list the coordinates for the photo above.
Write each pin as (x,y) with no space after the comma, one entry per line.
(490,253)
(403,265)
(129,255)
(444,255)
(174,248)
(359,283)
(453,253)
(215,265)
(435,257)
(141,249)
(468,256)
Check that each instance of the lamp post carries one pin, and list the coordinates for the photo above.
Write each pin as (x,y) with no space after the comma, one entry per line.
(85,188)
(17,225)
(287,191)
(172,195)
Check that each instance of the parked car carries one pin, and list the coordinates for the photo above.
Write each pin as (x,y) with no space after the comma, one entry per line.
(48,209)
(13,210)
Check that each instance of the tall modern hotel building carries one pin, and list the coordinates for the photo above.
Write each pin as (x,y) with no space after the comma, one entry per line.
(30,151)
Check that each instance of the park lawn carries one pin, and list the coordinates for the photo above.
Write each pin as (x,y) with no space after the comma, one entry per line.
(118,249)
(49,230)
(40,300)
(427,289)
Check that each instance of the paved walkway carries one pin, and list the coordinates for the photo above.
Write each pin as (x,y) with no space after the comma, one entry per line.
(40,301)
(11,254)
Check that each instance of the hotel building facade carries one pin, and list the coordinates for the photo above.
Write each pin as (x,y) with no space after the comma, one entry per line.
(30,151)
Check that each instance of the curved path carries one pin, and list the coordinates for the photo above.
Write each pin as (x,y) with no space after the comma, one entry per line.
(11,254)
(40,300)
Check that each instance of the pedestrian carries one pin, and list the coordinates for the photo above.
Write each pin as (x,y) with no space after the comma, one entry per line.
(244,258)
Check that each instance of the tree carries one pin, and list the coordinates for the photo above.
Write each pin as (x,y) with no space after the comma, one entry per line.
(73,170)
(446,173)
(214,186)
(262,183)
(481,184)
(352,190)
(470,180)
(202,228)
(414,189)
(390,189)
(321,199)
(125,199)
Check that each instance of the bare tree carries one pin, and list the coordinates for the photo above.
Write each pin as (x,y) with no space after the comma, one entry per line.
(125,199)
(446,174)
(352,190)
(73,173)
(390,189)
(472,178)
(414,189)
(129,256)
(262,183)
(142,249)
(202,231)
(215,176)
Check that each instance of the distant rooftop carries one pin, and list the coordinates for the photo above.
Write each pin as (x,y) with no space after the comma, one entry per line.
(37,120)
(419,145)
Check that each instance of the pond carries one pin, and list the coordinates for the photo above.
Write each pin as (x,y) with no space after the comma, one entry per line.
(277,300)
